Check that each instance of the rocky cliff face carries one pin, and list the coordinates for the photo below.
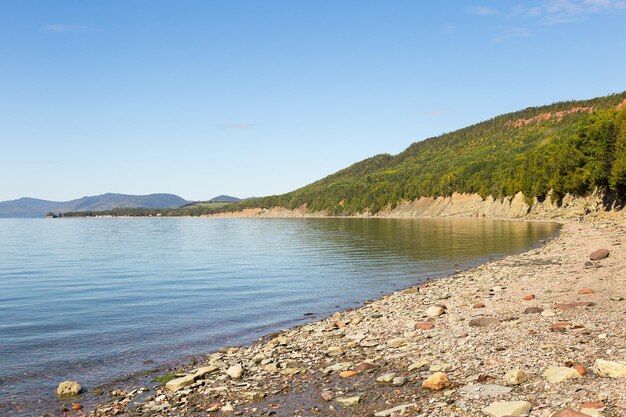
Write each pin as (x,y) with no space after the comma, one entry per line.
(472,205)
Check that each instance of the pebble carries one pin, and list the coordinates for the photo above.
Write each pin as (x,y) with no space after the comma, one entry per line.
(348,401)
(434,311)
(556,374)
(507,408)
(484,322)
(515,377)
(235,371)
(397,409)
(610,369)
(599,254)
(436,382)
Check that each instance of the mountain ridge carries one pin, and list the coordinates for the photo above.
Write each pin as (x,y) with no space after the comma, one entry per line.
(28,207)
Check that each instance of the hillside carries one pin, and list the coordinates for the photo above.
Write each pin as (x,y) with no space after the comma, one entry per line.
(31,207)
(567,147)
(224,199)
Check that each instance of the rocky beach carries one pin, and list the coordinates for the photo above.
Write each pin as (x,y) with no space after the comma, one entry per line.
(541,333)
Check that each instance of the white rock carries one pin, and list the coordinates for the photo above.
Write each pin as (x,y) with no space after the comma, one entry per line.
(434,311)
(610,368)
(515,377)
(555,374)
(235,371)
(507,408)
(390,411)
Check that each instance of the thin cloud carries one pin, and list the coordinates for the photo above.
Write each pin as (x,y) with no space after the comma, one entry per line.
(61,27)
(237,126)
(512,33)
(483,11)
(554,12)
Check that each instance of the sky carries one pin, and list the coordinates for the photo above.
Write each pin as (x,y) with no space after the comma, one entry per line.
(252,98)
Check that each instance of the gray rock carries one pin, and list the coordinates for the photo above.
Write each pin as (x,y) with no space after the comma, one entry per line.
(484,322)
(390,411)
(484,390)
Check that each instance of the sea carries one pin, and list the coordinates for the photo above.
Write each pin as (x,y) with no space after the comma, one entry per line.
(103,301)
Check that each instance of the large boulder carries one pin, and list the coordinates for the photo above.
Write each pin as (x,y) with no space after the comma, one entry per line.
(69,388)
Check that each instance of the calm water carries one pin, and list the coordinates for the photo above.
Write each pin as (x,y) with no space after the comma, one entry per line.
(92,299)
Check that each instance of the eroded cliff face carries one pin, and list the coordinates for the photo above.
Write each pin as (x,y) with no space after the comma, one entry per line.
(470,205)
(473,205)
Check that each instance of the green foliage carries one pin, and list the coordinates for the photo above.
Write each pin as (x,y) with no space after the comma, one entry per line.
(572,152)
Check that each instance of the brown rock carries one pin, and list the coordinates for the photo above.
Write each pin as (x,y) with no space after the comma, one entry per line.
(529,297)
(561,324)
(581,370)
(424,326)
(568,306)
(533,310)
(484,322)
(479,305)
(365,366)
(76,406)
(347,374)
(586,291)
(436,381)
(568,412)
(599,254)
(327,395)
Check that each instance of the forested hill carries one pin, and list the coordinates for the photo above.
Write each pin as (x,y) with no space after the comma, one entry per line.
(567,147)
(32,207)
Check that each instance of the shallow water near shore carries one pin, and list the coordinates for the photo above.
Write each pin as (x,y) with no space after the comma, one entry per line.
(93,299)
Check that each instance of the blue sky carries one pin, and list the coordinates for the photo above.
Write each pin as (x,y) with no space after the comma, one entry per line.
(251,98)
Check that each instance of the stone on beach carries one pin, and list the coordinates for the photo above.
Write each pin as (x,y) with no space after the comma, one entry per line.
(507,408)
(610,369)
(386,378)
(435,311)
(235,371)
(184,381)
(397,342)
(556,374)
(515,377)
(484,322)
(484,390)
(436,381)
(69,388)
(348,401)
(391,411)
(599,254)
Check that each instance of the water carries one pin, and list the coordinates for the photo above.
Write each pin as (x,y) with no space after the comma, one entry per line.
(92,299)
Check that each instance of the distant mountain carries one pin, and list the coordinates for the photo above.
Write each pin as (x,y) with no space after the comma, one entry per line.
(224,199)
(32,207)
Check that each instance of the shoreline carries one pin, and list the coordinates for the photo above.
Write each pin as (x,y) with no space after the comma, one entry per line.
(298,370)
